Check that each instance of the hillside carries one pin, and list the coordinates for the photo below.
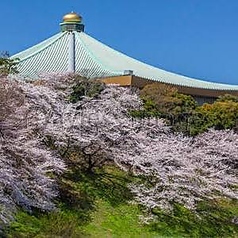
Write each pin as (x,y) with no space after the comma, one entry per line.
(75,163)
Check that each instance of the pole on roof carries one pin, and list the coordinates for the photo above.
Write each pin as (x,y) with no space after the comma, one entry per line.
(71,53)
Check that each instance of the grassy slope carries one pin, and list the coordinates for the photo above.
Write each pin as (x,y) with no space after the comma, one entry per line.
(103,211)
(121,221)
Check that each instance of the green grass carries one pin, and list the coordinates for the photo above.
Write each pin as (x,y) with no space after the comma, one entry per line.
(212,219)
(58,224)
(97,206)
(121,221)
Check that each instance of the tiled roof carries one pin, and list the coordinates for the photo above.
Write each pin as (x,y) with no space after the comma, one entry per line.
(95,59)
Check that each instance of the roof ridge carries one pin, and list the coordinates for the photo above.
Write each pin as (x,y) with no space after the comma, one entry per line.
(41,46)
(94,57)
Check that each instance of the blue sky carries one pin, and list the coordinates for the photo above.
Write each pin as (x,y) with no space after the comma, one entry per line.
(197,38)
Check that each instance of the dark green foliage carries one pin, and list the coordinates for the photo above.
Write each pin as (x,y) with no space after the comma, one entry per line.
(220,115)
(149,110)
(7,65)
(164,101)
(227,97)
(183,114)
(85,88)
(167,100)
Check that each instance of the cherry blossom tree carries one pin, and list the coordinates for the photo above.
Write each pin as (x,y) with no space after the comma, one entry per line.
(26,162)
(91,127)
(187,170)
(176,168)
(97,131)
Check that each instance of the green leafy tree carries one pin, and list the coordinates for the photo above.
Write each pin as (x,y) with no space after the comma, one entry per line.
(85,88)
(227,97)
(161,100)
(167,100)
(220,114)
(183,114)
(7,65)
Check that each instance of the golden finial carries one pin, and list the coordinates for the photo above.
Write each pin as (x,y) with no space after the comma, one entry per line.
(72,17)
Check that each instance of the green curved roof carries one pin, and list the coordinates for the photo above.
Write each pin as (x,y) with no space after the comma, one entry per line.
(95,59)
